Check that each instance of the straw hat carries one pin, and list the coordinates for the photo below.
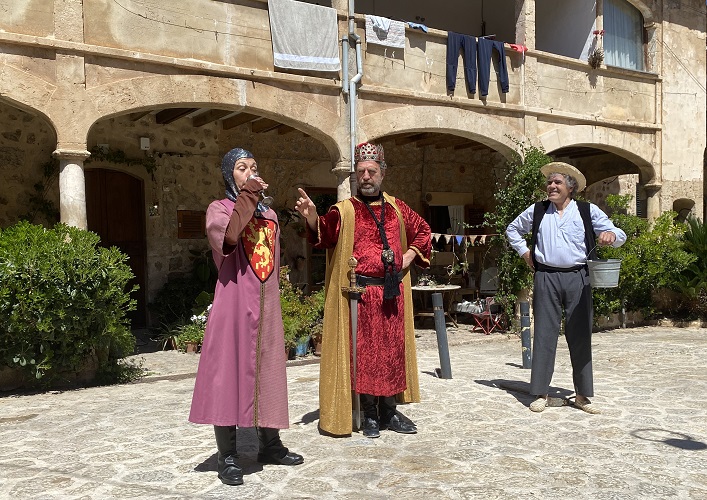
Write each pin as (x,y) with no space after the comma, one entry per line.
(559,167)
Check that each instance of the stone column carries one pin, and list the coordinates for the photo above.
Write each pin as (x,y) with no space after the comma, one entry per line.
(653,201)
(344,180)
(525,35)
(72,187)
(525,23)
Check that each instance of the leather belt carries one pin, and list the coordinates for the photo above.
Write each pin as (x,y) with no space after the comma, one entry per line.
(550,269)
(374,281)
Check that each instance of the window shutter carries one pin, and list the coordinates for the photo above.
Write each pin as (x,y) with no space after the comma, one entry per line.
(191,224)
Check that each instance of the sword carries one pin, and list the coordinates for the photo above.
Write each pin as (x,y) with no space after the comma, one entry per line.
(354,292)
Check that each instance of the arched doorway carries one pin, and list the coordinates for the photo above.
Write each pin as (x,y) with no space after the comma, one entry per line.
(115,204)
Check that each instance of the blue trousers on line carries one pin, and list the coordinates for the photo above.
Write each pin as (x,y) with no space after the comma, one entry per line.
(485,52)
(456,41)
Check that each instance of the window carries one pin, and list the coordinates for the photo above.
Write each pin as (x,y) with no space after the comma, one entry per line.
(623,35)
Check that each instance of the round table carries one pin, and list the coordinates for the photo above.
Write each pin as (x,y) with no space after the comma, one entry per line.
(443,289)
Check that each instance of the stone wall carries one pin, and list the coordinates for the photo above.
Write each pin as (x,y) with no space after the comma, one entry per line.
(26,145)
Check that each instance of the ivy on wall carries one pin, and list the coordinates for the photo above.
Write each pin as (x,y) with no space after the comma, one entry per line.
(41,209)
(119,157)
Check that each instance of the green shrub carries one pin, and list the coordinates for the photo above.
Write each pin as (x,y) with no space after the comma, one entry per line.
(692,282)
(652,258)
(301,315)
(63,301)
(520,188)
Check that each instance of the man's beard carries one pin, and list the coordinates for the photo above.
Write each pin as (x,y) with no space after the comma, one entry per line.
(369,189)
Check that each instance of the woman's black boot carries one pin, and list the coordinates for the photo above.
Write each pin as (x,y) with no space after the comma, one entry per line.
(271,450)
(229,472)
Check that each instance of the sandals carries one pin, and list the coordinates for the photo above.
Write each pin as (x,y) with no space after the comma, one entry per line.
(541,403)
(587,406)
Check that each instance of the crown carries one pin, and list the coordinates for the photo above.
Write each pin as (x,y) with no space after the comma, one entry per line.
(369,152)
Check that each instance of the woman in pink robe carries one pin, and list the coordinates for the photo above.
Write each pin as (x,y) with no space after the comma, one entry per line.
(241,380)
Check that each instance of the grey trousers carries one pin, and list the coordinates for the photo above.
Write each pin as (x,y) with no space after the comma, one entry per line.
(553,293)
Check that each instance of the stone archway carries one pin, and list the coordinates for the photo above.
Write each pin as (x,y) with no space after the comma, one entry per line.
(614,141)
(317,119)
(479,127)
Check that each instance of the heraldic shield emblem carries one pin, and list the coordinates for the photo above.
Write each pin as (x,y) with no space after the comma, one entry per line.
(259,244)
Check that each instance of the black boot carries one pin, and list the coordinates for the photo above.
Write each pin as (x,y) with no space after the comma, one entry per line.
(370,425)
(228,470)
(272,451)
(392,419)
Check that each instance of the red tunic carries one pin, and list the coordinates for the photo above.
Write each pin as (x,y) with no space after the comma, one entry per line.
(381,331)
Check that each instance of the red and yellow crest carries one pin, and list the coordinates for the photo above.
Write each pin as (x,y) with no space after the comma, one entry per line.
(259,244)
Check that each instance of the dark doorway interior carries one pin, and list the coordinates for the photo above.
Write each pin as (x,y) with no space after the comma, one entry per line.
(115,204)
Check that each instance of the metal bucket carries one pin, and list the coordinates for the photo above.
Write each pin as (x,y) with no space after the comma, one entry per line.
(604,273)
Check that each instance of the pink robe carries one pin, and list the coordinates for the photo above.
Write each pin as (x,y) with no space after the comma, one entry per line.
(241,378)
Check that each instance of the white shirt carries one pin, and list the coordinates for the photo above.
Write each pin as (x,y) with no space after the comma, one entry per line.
(560,239)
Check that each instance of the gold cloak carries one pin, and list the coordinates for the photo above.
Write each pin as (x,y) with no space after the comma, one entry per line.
(335,394)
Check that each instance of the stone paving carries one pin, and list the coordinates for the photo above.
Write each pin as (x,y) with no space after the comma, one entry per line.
(475,440)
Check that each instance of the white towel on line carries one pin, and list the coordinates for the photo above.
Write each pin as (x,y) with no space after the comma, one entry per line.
(304,36)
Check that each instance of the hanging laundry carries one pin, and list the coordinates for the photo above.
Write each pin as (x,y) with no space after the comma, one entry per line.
(467,44)
(417,26)
(485,52)
(318,50)
(383,31)
(518,48)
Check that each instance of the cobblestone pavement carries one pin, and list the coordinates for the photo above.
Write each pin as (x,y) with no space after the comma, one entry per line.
(475,439)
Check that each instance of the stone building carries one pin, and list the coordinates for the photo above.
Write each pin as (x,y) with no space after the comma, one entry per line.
(138,101)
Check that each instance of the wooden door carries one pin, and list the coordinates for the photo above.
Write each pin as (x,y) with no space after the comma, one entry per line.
(115,205)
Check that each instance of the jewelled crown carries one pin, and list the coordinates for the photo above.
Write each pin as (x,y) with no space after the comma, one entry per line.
(369,152)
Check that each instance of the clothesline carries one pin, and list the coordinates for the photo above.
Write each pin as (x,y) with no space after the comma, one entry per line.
(470,239)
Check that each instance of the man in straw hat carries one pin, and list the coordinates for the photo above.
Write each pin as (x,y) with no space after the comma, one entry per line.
(385,236)
(565,233)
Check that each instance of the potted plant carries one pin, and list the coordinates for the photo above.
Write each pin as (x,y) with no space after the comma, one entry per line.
(301,315)
(190,336)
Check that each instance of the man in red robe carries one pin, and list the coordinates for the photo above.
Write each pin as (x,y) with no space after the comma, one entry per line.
(385,236)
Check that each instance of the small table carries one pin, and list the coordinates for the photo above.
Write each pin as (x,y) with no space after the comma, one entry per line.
(443,289)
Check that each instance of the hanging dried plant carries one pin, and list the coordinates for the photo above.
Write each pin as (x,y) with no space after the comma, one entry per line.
(596,57)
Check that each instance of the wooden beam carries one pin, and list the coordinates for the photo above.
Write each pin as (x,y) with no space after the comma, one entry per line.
(237,120)
(407,139)
(172,114)
(136,116)
(264,125)
(587,153)
(429,141)
(285,129)
(474,146)
(210,116)
(453,141)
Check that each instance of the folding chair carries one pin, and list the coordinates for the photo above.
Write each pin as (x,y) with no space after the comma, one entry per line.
(489,319)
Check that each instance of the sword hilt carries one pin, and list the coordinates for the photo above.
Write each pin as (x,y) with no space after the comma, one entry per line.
(352,273)
(353,287)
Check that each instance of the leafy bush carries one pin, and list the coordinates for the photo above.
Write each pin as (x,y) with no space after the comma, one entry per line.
(63,301)
(521,187)
(652,258)
(692,282)
(301,316)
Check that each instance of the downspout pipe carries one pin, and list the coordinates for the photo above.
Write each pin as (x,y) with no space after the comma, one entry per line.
(345,69)
(353,37)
